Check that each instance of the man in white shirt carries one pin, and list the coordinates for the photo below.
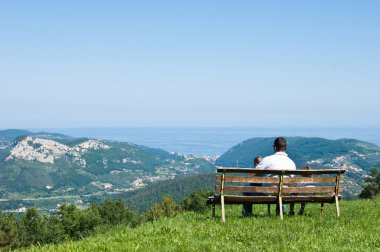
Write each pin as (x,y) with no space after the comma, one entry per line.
(278,161)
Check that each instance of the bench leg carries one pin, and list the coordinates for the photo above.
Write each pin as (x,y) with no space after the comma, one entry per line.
(280,206)
(268,209)
(337,206)
(213,210)
(322,205)
(222,204)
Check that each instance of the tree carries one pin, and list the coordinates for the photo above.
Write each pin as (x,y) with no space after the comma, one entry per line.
(371,186)
(8,231)
(116,212)
(76,223)
(32,228)
(89,220)
(54,230)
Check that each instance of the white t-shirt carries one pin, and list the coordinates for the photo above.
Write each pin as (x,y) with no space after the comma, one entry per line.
(277,161)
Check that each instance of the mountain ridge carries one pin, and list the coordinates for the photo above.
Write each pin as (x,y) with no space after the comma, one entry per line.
(53,165)
(49,164)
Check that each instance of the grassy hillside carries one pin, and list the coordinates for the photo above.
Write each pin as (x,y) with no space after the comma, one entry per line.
(356,230)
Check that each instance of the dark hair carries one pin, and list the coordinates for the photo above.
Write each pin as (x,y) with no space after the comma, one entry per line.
(257,160)
(305,168)
(280,144)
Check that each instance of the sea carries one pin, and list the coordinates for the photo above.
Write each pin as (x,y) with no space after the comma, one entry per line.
(209,141)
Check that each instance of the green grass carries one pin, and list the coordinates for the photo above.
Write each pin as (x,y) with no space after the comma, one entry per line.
(357,229)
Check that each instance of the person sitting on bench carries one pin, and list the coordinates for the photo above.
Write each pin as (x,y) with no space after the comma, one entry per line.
(303,204)
(247,208)
(278,161)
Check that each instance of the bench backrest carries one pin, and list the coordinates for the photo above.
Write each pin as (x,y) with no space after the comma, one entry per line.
(277,182)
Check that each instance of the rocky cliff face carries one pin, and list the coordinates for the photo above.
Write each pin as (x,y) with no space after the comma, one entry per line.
(58,165)
(47,150)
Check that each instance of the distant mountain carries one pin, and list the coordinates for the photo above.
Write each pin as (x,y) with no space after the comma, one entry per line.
(53,165)
(355,156)
(11,134)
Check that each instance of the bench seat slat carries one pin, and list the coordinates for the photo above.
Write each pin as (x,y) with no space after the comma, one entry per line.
(325,199)
(247,179)
(237,199)
(306,190)
(312,180)
(249,189)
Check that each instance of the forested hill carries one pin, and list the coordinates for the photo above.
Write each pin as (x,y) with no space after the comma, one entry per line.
(54,165)
(143,199)
(354,155)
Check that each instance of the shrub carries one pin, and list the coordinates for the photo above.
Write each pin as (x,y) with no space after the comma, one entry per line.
(76,223)
(196,201)
(167,208)
(116,212)
(371,186)
(8,231)
(54,230)
(31,228)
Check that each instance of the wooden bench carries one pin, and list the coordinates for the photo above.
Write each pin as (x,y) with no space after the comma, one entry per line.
(278,187)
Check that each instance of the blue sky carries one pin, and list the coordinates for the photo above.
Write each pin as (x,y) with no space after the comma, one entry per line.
(189,63)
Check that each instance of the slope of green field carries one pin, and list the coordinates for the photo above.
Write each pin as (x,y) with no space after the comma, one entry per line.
(357,229)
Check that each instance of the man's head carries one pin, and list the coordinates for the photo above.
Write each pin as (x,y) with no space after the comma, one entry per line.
(279,144)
